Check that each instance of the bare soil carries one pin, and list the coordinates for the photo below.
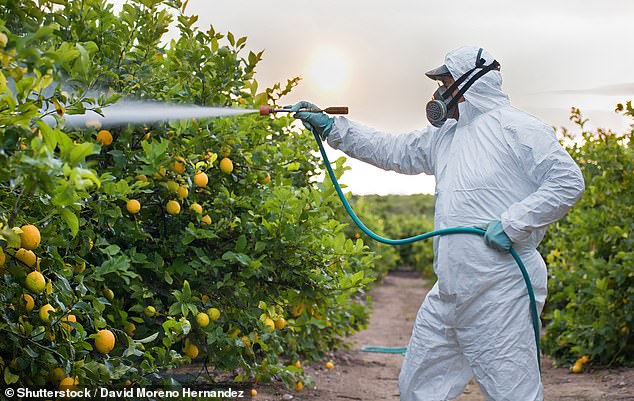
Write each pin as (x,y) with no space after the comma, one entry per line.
(372,377)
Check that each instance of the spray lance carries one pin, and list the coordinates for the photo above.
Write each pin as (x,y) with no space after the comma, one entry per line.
(266,110)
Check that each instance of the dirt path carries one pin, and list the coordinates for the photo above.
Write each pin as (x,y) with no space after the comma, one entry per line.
(374,377)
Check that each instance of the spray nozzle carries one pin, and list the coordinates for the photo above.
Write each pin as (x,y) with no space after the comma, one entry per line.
(266,110)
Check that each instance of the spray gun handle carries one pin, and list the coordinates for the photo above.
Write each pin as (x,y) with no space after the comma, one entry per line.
(328,110)
(336,110)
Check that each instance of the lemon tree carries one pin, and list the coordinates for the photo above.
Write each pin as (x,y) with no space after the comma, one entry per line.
(117,241)
(589,314)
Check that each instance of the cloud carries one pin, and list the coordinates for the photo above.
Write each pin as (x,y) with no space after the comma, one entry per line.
(623,89)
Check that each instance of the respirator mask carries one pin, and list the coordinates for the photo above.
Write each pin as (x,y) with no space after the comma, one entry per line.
(444,104)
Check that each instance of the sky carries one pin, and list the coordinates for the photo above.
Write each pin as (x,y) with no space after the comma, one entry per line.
(371,55)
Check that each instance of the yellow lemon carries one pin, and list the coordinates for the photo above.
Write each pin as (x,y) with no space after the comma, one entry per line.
(182,192)
(254,392)
(266,179)
(298,364)
(27,302)
(80,267)
(196,208)
(299,386)
(202,319)
(173,207)
(133,206)
(3,39)
(25,256)
(280,323)
(191,351)
(214,314)
(226,165)
(206,220)
(45,312)
(204,298)
(109,294)
(35,282)
(68,383)
(577,368)
(104,137)
(150,311)
(69,318)
(104,342)
(130,328)
(201,179)
(269,323)
(179,165)
(172,186)
(329,365)
(30,237)
(298,310)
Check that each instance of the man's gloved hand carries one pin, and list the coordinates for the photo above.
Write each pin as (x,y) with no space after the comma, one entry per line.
(496,238)
(318,123)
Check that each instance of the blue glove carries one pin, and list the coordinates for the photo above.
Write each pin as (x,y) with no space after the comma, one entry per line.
(496,238)
(318,123)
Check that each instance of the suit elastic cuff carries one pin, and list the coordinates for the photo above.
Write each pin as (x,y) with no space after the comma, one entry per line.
(335,135)
(515,234)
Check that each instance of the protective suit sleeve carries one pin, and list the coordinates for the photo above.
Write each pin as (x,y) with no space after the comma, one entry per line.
(557,177)
(410,153)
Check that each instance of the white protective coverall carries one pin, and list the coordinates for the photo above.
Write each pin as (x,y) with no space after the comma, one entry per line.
(495,163)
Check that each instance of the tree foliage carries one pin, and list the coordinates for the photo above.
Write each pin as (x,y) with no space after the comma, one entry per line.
(266,247)
(590,254)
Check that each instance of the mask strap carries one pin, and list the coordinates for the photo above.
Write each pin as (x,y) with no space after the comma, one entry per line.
(479,64)
(493,66)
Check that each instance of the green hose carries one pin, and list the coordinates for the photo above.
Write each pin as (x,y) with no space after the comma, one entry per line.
(445,231)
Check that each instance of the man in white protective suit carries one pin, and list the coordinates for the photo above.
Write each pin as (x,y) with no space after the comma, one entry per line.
(495,167)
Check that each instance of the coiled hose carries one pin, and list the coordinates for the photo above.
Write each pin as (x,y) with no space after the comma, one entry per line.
(446,231)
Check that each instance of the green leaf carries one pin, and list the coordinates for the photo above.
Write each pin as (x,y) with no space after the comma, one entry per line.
(261,98)
(10,378)
(187,291)
(81,151)
(119,264)
(241,243)
(175,309)
(112,250)
(239,257)
(71,220)
(148,339)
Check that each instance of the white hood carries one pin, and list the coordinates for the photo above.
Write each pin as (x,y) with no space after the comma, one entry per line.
(486,93)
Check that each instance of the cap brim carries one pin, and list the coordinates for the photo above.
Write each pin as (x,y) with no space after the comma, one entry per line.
(438,72)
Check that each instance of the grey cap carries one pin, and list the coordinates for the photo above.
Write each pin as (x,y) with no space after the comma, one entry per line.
(437,72)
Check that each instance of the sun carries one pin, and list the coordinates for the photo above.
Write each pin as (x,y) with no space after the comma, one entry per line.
(328,69)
